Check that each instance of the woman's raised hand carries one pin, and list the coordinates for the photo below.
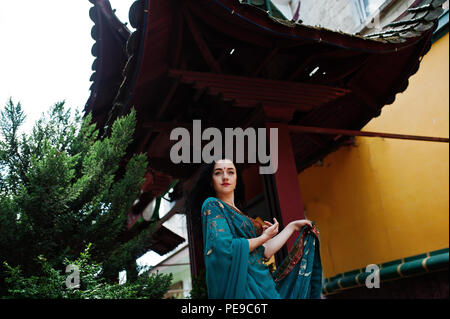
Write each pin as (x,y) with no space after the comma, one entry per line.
(270,230)
(298,224)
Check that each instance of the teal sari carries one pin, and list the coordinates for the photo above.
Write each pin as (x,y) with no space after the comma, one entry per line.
(232,272)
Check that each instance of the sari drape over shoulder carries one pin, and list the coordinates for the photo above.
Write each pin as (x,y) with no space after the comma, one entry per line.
(232,272)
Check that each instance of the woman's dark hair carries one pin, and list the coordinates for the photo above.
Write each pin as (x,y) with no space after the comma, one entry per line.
(202,189)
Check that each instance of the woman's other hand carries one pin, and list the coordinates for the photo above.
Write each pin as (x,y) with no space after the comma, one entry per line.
(298,224)
(270,230)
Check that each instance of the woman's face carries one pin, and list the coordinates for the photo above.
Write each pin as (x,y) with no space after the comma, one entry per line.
(224,177)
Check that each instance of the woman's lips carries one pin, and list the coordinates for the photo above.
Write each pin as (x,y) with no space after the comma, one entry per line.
(225,184)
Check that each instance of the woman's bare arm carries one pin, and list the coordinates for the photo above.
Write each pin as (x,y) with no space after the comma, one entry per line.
(253,243)
(272,240)
(273,245)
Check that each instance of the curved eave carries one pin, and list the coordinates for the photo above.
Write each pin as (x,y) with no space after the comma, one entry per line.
(153,21)
(109,50)
(248,17)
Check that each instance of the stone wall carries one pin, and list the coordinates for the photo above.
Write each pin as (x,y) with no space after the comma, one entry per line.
(342,15)
(334,15)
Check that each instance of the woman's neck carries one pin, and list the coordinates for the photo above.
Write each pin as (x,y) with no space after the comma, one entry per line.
(227,198)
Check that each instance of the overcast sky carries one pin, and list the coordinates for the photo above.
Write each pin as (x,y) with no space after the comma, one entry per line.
(45,54)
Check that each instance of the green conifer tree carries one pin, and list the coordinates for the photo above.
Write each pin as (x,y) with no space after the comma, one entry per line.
(62,189)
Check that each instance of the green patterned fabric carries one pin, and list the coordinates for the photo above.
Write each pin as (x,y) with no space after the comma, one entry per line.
(232,272)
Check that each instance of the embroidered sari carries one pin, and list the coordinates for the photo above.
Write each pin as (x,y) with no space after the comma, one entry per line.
(232,272)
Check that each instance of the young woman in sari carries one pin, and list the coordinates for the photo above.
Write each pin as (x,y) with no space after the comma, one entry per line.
(235,245)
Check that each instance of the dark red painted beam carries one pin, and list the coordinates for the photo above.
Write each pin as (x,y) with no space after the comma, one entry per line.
(203,47)
(322,130)
(274,85)
(166,127)
(269,58)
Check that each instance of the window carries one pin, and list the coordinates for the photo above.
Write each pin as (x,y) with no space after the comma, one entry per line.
(366,8)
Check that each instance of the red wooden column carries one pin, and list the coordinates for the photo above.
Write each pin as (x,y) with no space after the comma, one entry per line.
(287,187)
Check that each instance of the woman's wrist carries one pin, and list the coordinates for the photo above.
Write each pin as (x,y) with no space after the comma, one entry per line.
(253,243)
(264,238)
(290,226)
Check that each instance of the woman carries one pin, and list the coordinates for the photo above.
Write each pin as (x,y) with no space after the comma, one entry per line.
(235,245)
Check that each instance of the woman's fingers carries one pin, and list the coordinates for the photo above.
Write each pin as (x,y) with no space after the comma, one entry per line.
(274,228)
(271,228)
(270,224)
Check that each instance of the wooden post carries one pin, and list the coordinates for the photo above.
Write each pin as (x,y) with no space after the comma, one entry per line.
(287,187)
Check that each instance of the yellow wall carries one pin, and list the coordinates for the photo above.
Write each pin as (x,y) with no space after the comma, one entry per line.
(387,199)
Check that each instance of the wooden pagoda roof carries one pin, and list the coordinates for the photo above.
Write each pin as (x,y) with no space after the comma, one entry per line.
(232,64)
(109,50)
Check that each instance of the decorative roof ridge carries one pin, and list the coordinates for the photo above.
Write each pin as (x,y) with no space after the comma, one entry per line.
(419,18)
(99,13)
(402,37)
(137,21)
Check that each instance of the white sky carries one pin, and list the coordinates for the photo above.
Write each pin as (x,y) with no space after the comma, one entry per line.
(374,5)
(45,53)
